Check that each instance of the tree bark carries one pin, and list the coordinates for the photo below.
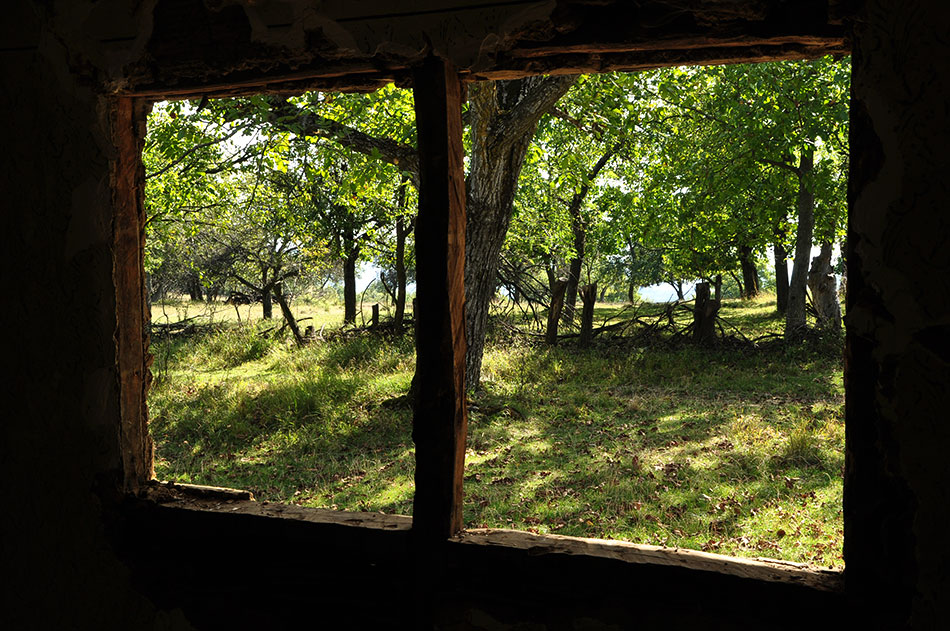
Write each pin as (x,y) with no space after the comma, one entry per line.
(267,308)
(781,277)
(288,314)
(588,298)
(504,115)
(554,313)
(704,315)
(351,255)
(194,289)
(824,289)
(795,314)
(401,232)
(750,275)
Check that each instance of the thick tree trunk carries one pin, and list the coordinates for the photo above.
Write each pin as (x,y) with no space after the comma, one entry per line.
(704,315)
(504,115)
(750,275)
(717,284)
(824,289)
(588,297)
(554,313)
(795,314)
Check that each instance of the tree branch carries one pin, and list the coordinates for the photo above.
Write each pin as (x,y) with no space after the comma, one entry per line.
(305,123)
(542,94)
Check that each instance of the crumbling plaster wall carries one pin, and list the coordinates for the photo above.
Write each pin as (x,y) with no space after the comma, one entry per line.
(898,485)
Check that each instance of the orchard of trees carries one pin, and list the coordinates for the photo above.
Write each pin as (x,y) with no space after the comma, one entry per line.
(619,181)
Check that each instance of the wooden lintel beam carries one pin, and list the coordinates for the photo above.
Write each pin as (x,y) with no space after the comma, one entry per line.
(440,416)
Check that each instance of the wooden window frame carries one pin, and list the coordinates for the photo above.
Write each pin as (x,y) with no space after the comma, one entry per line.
(440,419)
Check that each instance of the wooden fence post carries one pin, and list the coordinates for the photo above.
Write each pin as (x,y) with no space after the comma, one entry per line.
(440,417)
(374,323)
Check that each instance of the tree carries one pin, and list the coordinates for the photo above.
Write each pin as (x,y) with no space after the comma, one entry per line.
(737,125)
(501,116)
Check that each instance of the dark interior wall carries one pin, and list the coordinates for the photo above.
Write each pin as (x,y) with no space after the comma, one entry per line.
(60,412)
(896,492)
(59,456)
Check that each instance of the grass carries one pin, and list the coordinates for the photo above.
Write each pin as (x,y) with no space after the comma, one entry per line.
(733,449)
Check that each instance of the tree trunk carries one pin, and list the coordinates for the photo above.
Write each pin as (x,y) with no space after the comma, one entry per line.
(288,315)
(781,277)
(579,230)
(588,297)
(678,288)
(795,314)
(554,313)
(194,289)
(573,277)
(717,284)
(738,282)
(265,295)
(504,115)
(400,272)
(750,275)
(843,285)
(704,315)
(351,254)
(824,289)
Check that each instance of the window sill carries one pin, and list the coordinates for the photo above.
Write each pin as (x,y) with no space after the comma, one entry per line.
(234,501)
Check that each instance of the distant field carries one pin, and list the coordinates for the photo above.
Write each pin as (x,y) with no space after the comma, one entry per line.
(734,449)
(322,314)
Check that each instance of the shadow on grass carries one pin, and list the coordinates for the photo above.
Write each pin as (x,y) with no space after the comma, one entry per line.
(306,431)
(717,449)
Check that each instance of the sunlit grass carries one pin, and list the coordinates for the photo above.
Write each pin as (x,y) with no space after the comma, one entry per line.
(730,449)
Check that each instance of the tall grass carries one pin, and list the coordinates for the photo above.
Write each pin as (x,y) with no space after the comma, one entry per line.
(732,449)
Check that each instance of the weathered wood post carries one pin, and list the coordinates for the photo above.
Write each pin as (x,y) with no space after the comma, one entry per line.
(704,315)
(132,338)
(440,416)
(554,313)
(589,298)
(374,323)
